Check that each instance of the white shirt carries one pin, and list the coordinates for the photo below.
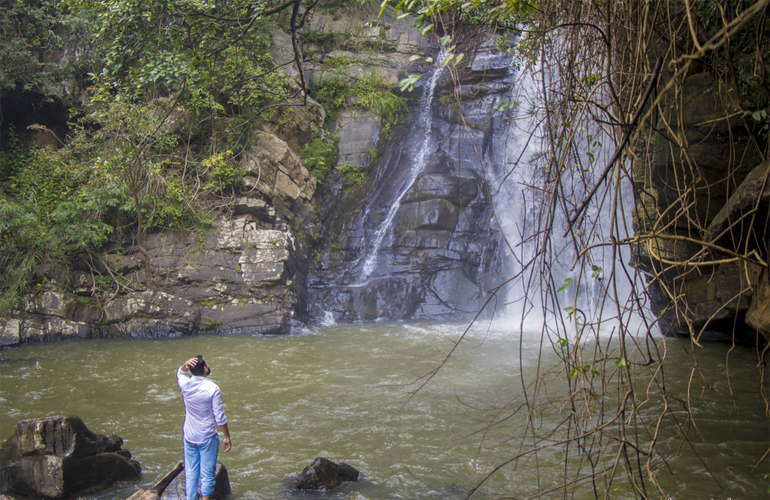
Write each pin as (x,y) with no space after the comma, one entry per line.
(202,405)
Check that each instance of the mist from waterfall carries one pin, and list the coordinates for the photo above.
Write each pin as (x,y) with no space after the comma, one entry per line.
(523,203)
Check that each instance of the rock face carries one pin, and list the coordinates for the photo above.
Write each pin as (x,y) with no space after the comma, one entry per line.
(698,210)
(420,241)
(361,43)
(247,275)
(59,457)
(323,474)
(176,489)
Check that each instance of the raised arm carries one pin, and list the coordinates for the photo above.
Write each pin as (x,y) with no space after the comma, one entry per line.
(189,364)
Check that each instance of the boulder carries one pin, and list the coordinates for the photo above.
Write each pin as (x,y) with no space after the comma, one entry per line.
(274,172)
(176,490)
(734,219)
(323,474)
(9,332)
(59,457)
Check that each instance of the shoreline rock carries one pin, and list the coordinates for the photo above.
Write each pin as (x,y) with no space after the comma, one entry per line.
(58,457)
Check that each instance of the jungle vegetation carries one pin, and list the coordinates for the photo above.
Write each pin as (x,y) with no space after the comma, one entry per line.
(172,91)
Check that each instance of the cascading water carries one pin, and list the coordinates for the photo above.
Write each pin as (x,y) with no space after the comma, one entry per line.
(521,197)
(424,125)
(452,211)
(420,244)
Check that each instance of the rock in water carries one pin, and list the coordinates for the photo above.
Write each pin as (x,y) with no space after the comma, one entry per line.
(58,457)
(323,474)
(175,490)
(156,490)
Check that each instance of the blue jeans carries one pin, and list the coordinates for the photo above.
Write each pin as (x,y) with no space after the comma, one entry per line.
(200,460)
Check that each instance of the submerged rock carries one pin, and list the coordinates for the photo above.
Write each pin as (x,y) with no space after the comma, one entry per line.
(323,474)
(59,457)
(156,490)
(176,489)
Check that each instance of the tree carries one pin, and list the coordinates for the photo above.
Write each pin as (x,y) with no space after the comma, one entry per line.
(156,64)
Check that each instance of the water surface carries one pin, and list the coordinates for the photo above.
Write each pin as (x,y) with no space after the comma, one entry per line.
(348,393)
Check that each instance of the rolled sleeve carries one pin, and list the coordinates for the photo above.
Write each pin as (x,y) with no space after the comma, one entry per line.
(219,410)
(182,378)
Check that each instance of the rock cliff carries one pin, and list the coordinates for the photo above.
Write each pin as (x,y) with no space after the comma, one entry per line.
(702,207)
(248,273)
(703,214)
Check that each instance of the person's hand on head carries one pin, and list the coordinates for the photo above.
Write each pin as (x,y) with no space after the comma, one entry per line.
(189,364)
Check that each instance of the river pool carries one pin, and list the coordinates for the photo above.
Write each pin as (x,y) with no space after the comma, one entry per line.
(346,392)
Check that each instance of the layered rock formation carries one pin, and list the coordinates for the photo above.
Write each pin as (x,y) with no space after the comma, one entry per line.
(242,276)
(420,241)
(247,274)
(59,457)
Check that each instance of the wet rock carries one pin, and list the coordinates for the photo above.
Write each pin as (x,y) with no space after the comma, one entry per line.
(9,332)
(323,474)
(458,190)
(176,490)
(59,457)
(436,214)
(156,490)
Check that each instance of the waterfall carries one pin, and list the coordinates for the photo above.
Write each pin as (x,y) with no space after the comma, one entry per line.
(424,242)
(424,126)
(518,191)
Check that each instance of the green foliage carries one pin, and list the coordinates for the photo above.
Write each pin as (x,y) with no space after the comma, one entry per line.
(147,47)
(12,159)
(353,175)
(375,95)
(331,95)
(223,174)
(370,93)
(338,62)
(407,84)
(744,58)
(587,369)
(46,219)
(319,157)
(497,13)
(136,159)
(26,30)
(323,40)
(762,119)
(246,80)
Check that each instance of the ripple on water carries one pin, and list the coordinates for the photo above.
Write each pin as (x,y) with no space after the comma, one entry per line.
(348,392)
